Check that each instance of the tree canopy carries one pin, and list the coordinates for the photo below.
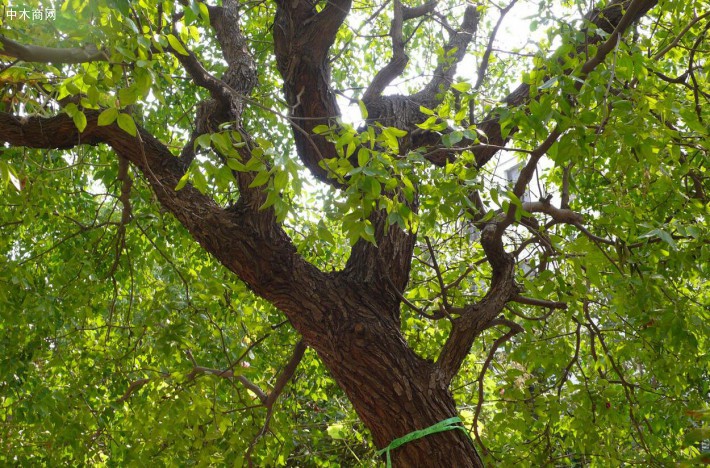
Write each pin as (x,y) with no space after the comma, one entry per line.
(207,258)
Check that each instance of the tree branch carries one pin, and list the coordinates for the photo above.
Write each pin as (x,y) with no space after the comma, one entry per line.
(132,388)
(266,400)
(403,111)
(608,19)
(399,60)
(454,52)
(302,40)
(286,374)
(593,237)
(477,317)
(419,11)
(281,382)
(634,11)
(560,215)
(439,278)
(416,309)
(539,302)
(33,53)
(483,67)
(217,88)
(248,241)
(397,63)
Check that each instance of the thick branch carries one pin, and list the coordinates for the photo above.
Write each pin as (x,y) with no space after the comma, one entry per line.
(419,11)
(236,84)
(33,53)
(454,52)
(403,111)
(558,214)
(229,93)
(477,317)
(391,260)
(397,63)
(399,60)
(244,239)
(302,40)
(387,262)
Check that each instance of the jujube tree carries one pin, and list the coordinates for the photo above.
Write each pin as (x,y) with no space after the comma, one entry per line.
(572,328)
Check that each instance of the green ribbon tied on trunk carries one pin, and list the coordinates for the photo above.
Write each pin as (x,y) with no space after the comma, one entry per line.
(445,425)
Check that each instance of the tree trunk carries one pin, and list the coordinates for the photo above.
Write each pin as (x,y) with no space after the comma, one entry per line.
(393,391)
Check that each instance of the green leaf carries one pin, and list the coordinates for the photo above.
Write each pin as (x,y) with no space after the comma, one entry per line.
(260,179)
(176,45)
(204,141)
(337,431)
(79,120)
(108,116)
(321,129)
(696,435)
(71,109)
(549,83)
(235,164)
(199,181)
(222,143)
(280,180)
(667,238)
(390,135)
(7,176)
(663,235)
(127,96)
(183,181)
(450,139)
(93,95)
(126,123)
(204,13)
(368,233)
(372,187)
(461,86)
(363,157)
(363,109)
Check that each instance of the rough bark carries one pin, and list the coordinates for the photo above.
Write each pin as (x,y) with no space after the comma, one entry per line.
(302,39)
(393,391)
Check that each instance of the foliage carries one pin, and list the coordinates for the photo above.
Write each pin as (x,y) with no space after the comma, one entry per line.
(123,341)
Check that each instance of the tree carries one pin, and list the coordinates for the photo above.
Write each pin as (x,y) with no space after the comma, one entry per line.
(418,283)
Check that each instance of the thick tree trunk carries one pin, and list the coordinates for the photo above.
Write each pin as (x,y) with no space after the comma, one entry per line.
(393,391)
